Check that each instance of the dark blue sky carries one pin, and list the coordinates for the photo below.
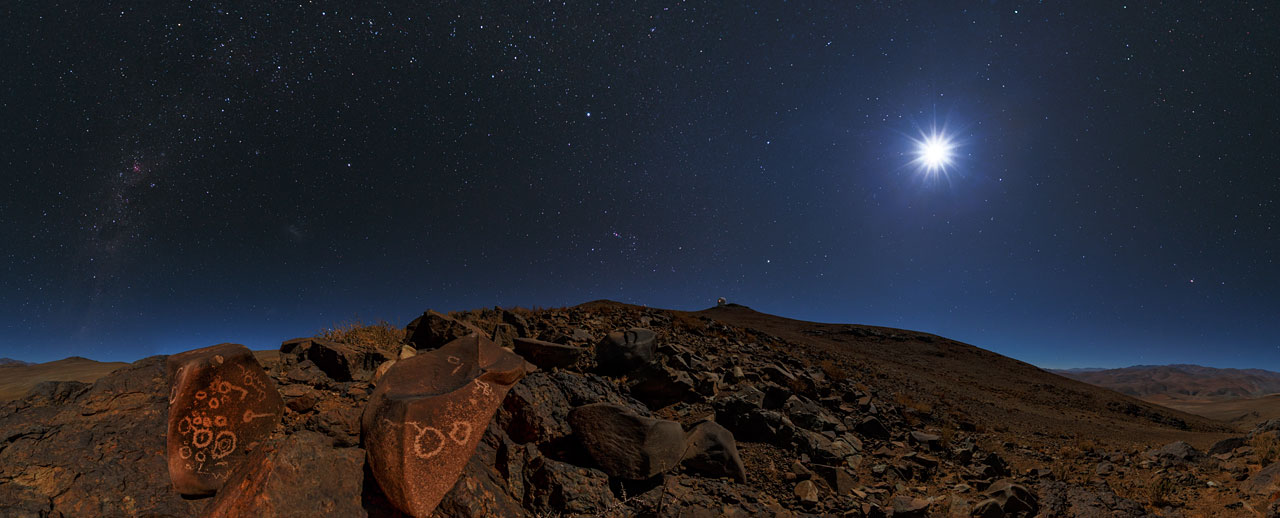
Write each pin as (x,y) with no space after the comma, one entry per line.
(175,176)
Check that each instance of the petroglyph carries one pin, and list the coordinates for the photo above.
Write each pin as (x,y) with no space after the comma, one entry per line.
(214,412)
(436,437)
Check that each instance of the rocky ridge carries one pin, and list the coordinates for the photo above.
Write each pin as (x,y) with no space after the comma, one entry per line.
(632,412)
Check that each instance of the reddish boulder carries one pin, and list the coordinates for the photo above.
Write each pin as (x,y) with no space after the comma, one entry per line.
(299,475)
(427,415)
(221,404)
(432,330)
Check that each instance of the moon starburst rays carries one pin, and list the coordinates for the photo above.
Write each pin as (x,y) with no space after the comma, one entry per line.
(935,153)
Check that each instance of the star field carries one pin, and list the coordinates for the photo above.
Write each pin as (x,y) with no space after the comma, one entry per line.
(178,175)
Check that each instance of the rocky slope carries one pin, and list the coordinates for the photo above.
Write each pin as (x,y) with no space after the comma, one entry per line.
(724,412)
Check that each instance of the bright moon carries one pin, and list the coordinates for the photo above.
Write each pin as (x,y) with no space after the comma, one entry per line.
(934,153)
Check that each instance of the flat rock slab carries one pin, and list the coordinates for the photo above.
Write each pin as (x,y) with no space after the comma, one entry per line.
(627,445)
(299,475)
(427,415)
(548,355)
(624,351)
(221,405)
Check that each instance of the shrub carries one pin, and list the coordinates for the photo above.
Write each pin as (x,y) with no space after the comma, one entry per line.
(379,336)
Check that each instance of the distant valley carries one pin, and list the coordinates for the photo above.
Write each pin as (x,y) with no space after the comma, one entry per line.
(1241,396)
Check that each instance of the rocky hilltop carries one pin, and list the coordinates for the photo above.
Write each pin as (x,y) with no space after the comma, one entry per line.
(607,409)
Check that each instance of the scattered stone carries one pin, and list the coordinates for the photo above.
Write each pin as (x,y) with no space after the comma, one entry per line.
(872,427)
(928,440)
(624,351)
(627,445)
(807,492)
(659,386)
(711,449)
(298,475)
(547,355)
(221,404)
(381,371)
(1178,452)
(910,506)
(557,487)
(836,477)
(433,330)
(407,352)
(428,414)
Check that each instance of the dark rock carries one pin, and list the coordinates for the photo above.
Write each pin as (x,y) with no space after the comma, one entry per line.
(871,427)
(504,335)
(659,386)
(928,440)
(338,362)
(427,416)
(548,355)
(806,413)
(1178,452)
(994,466)
(627,445)
(711,449)
(1004,498)
(806,492)
(433,330)
(1058,498)
(1264,482)
(57,392)
(538,410)
(517,322)
(1227,445)
(909,506)
(556,487)
(298,475)
(621,352)
(836,477)
(60,457)
(221,405)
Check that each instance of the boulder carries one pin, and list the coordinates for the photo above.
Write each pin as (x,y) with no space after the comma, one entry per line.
(338,362)
(872,428)
(427,416)
(659,386)
(806,492)
(1005,498)
(560,488)
(627,445)
(433,330)
(623,351)
(1178,452)
(928,440)
(1264,482)
(221,405)
(538,410)
(711,449)
(298,475)
(1227,445)
(547,355)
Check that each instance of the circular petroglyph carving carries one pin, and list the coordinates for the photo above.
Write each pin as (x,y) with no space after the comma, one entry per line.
(224,444)
(200,394)
(422,443)
(184,452)
(460,431)
(184,426)
(213,402)
(200,457)
(202,437)
(220,420)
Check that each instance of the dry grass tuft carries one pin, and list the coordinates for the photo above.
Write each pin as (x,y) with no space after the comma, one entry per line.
(1159,490)
(1267,446)
(380,336)
(833,371)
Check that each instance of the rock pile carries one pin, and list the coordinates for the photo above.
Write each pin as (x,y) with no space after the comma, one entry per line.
(630,411)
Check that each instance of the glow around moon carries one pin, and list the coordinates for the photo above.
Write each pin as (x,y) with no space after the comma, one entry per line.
(934,153)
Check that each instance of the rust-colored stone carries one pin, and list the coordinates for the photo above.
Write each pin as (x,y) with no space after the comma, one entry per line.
(296,475)
(429,412)
(221,404)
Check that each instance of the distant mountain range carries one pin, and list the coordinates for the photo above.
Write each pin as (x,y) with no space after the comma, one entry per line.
(1180,381)
(4,362)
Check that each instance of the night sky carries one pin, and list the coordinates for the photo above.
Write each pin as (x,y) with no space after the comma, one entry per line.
(176,175)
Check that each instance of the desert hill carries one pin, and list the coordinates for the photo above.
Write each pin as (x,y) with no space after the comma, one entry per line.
(1181,381)
(19,377)
(720,412)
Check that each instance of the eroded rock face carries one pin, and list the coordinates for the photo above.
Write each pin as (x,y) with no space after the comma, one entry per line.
(298,475)
(428,414)
(710,448)
(627,445)
(548,355)
(221,404)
